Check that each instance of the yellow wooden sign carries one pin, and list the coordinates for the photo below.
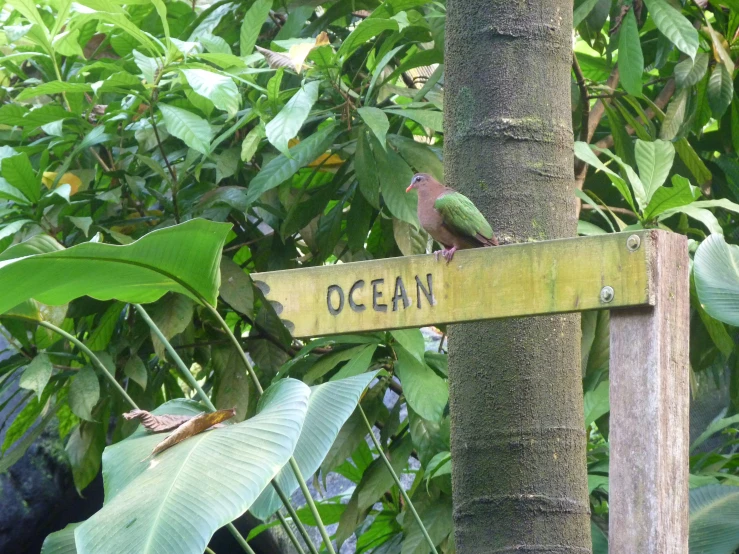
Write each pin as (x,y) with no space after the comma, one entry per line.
(568,275)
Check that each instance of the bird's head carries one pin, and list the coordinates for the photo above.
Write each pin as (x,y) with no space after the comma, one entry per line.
(419,181)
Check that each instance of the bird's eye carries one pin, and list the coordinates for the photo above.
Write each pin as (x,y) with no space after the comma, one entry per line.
(416,179)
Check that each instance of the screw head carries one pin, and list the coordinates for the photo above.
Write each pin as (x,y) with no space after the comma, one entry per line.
(633,243)
(606,294)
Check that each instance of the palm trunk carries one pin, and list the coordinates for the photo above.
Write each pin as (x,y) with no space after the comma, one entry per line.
(518,439)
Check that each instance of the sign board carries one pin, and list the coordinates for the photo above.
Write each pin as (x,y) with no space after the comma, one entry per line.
(568,275)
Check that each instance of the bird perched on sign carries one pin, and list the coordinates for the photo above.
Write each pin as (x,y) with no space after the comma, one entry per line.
(450,217)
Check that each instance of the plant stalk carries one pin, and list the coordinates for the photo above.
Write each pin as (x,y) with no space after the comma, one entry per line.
(293,463)
(389,467)
(190,378)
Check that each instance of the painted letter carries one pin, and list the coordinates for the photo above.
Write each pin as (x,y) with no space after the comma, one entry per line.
(400,294)
(376,295)
(337,289)
(352,304)
(429,294)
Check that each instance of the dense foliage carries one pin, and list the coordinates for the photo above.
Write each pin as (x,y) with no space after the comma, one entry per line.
(300,125)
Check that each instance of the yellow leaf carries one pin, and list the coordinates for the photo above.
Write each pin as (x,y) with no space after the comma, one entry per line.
(329,161)
(70,179)
(298,52)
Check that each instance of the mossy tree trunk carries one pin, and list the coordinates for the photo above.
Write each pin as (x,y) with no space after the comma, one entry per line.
(518,439)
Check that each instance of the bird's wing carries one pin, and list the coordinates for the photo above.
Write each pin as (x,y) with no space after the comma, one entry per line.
(462,216)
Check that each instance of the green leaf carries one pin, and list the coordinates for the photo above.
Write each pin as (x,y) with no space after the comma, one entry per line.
(36,375)
(596,403)
(362,33)
(716,270)
(674,116)
(674,25)
(410,240)
(136,371)
(182,258)
(582,11)
(188,127)
(419,156)
(586,154)
(29,11)
(432,119)
(329,406)
(177,500)
(172,314)
(630,57)
(82,223)
(357,365)
(436,516)
(281,168)
(52,87)
(252,24)
(395,176)
(329,361)
(425,391)
(17,171)
(217,88)
(654,160)
(101,335)
(233,388)
(714,511)
(84,450)
(713,428)
(366,172)
(67,44)
(288,122)
(377,121)
(720,90)
(689,72)
(251,142)
(84,393)
(236,287)
(61,542)
(681,193)
(697,213)
(693,162)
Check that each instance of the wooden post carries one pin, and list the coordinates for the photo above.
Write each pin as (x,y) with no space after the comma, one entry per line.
(648,500)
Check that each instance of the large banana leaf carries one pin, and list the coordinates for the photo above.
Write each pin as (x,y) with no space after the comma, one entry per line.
(716,269)
(61,542)
(714,517)
(174,502)
(329,407)
(184,258)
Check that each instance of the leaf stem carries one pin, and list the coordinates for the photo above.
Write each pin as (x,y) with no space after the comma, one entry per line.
(240,539)
(397,481)
(93,358)
(293,463)
(190,378)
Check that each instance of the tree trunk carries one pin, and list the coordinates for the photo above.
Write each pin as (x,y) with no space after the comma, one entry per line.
(518,438)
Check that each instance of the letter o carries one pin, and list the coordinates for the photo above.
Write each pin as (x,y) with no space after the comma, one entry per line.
(337,289)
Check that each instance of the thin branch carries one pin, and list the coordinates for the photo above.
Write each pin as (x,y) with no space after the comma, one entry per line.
(622,211)
(585,103)
(173,174)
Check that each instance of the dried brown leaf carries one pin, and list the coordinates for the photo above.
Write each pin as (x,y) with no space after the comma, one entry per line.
(192,427)
(155,423)
(295,57)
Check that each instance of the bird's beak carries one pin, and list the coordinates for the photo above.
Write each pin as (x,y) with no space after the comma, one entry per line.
(410,187)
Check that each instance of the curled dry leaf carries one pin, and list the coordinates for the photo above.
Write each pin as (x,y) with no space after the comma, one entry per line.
(295,57)
(192,427)
(157,423)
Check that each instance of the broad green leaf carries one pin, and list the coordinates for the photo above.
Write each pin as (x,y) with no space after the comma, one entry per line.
(377,121)
(689,72)
(188,127)
(61,542)
(236,287)
(428,118)
(720,47)
(175,501)
(36,375)
(233,387)
(123,22)
(395,176)
(281,168)
(84,393)
(654,160)
(412,340)
(674,116)
(716,270)
(182,258)
(172,314)
(693,162)
(630,57)
(17,171)
(52,87)
(410,240)
(366,171)
(82,223)
(681,193)
(714,511)
(329,406)
(288,122)
(357,365)
(102,333)
(251,142)
(596,403)
(436,515)
(674,25)
(29,11)
(713,428)
(84,450)
(329,361)
(586,154)
(424,390)
(136,371)
(419,156)
(363,32)
(67,44)
(699,214)
(582,11)
(720,90)
(217,88)
(255,17)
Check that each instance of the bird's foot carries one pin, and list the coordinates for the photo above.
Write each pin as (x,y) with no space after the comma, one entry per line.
(446,254)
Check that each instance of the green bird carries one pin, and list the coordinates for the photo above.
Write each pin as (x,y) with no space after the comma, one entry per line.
(450,217)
